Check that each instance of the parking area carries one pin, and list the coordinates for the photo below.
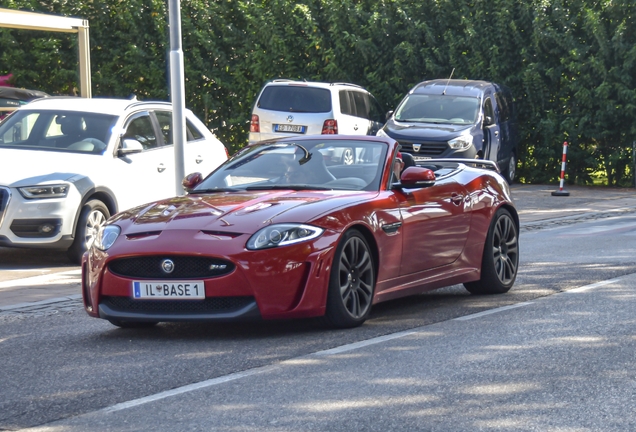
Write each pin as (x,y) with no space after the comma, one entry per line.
(42,276)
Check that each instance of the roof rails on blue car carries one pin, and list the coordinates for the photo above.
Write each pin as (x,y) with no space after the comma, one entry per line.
(487,164)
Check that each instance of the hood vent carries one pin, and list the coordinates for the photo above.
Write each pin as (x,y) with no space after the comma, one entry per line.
(222,235)
(142,235)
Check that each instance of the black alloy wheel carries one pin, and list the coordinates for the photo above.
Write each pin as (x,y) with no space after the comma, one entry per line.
(352,282)
(500,260)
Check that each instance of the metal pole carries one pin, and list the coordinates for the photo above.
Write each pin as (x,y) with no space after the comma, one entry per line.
(634,159)
(84,60)
(177,91)
(561,192)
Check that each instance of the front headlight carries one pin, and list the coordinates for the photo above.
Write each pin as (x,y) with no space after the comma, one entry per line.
(462,142)
(282,235)
(44,191)
(106,236)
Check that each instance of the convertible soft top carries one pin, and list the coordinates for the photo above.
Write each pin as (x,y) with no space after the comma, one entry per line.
(20,93)
(12,97)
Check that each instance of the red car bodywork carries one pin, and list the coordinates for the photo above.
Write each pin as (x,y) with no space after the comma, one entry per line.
(421,239)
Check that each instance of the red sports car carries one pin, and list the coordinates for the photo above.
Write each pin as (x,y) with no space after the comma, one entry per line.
(275,232)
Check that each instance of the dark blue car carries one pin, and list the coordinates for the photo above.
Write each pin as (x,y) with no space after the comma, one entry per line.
(457,119)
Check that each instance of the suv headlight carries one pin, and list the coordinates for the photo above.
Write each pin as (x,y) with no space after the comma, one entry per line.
(282,235)
(462,142)
(44,191)
(106,236)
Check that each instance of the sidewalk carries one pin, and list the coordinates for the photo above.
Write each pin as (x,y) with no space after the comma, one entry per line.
(535,202)
(47,277)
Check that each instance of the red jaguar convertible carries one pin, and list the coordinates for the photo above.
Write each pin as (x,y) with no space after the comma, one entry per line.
(283,230)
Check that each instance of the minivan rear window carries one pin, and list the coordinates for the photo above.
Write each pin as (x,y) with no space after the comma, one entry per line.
(295,99)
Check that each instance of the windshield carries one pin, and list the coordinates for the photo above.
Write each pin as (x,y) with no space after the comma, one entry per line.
(302,165)
(438,109)
(60,131)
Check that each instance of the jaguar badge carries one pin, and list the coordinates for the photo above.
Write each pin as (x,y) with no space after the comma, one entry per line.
(167,266)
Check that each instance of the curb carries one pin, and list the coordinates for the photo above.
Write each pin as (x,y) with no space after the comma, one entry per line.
(567,220)
(29,305)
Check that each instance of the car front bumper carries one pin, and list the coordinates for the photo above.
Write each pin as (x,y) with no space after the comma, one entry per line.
(278,283)
(37,223)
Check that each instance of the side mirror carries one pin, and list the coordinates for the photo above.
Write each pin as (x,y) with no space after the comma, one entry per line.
(416,177)
(130,146)
(488,121)
(388,115)
(191,181)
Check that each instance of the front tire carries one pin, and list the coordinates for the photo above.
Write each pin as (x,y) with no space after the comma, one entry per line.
(500,259)
(93,216)
(351,283)
(511,170)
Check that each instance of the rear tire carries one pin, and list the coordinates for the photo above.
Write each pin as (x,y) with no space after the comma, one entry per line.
(93,216)
(351,283)
(500,259)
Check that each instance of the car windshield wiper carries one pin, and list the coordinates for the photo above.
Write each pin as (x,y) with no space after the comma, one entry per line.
(199,191)
(283,187)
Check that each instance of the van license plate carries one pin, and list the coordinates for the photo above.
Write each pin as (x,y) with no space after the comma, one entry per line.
(289,128)
(162,290)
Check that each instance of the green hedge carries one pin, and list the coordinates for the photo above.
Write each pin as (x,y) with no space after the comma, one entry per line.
(570,64)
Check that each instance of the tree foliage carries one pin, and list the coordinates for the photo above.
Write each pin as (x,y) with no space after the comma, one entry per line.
(571,64)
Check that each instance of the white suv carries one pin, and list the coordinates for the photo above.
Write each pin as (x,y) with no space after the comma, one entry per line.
(286,108)
(67,164)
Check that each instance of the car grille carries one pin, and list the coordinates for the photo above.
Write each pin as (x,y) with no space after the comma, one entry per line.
(426,149)
(4,201)
(209,305)
(185,267)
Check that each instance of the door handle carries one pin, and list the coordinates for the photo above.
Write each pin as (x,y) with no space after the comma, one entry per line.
(457,198)
(161,168)
(199,159)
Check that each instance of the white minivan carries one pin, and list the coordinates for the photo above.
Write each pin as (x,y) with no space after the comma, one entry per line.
(287,108)
(67,164)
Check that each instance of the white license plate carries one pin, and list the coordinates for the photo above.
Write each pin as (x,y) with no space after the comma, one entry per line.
(161,290)
(289,128)
(418,158)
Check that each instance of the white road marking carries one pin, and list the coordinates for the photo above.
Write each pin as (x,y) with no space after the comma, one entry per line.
(362,344)
(187,388)
(592,286)
(492,311)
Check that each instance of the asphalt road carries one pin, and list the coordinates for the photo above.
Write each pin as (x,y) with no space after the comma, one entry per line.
(563,362)
(558,363)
